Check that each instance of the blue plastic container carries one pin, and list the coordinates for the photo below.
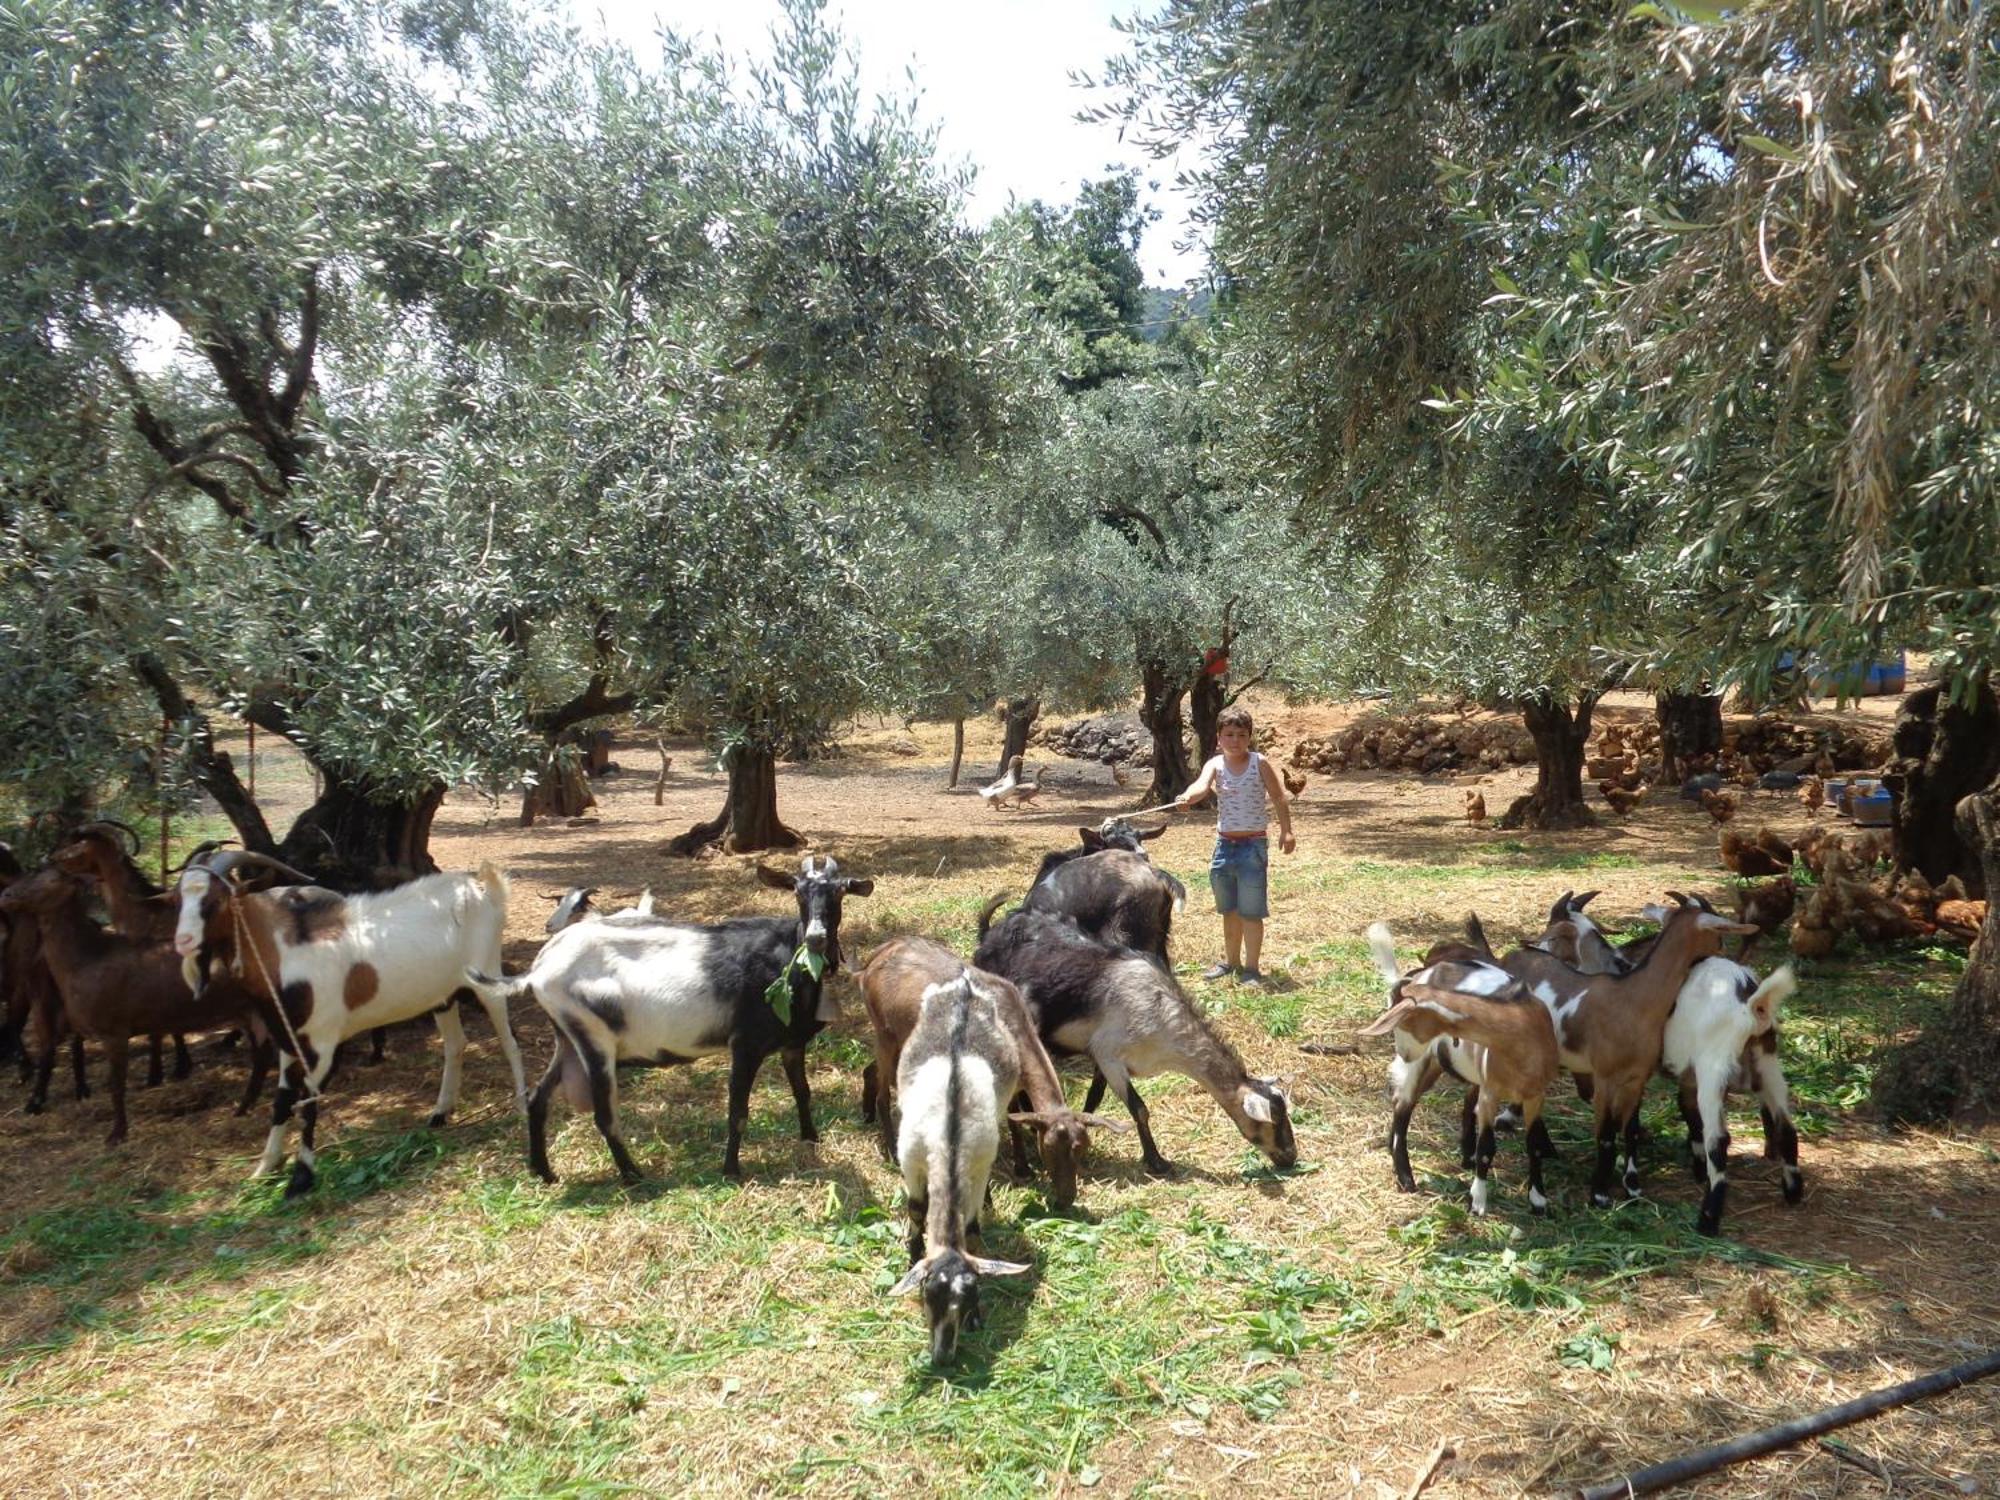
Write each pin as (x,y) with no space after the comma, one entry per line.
(1874,810)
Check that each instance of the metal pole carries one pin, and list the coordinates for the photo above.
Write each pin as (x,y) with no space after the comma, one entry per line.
(1755,1444)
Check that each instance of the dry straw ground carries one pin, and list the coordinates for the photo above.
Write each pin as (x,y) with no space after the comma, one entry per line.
(436,1321)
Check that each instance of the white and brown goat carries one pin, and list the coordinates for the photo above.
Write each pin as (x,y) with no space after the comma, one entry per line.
(329,966)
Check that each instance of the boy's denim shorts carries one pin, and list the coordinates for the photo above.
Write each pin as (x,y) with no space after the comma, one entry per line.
(1236,875)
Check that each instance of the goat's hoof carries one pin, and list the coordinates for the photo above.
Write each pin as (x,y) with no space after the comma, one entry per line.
(302,1181)
(1705,1225)
(116,1138)
(438,1117)
(1406,1184)
(544,1171)
(631,1179)
(36,1106)
(1795,1187)
(1600,1200)
(1160,1167)
(732,1171)
(809,1135)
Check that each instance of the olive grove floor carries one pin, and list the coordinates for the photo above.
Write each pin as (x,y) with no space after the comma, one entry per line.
(435,1320)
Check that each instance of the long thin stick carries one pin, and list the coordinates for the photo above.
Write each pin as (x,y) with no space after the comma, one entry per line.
(1429,1471)
(1752,1445)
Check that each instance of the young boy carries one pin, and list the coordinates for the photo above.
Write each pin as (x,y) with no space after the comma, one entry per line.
(1247,788)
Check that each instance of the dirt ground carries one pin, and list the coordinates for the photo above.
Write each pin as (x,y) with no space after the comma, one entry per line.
(386,1317)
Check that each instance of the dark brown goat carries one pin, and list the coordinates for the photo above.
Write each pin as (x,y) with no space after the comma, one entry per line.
(114,987)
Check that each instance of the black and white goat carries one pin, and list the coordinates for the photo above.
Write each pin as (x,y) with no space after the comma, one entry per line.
(575,905)
(661,993)
(1125,1012)
(1115,895)
(957,1071)
(329,967)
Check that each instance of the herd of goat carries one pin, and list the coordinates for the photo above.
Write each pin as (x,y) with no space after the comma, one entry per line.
(964,1052)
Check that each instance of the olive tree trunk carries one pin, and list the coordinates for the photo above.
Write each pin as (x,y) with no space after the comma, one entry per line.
(1160,711)
(749,818)
(1944,753)
(354,839)
(1955,1064)
(957,748)
(1206,701)
(1690,725)
(1559,733)
(1020,717)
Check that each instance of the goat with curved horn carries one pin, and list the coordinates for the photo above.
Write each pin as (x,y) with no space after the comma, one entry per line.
(227,862)
(131,833)
(200,851)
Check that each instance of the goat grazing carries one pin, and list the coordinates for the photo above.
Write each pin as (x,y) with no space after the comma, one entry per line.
(1470,1019)
(893,984)
(662,993)
(329,967)
(1126,1012)
(959,1067)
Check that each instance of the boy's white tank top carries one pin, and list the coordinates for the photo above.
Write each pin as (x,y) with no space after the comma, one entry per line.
(1241,805)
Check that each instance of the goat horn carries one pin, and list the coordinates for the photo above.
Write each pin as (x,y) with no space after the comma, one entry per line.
(201,851)
(125,828)
(1100,1123)
(228,861)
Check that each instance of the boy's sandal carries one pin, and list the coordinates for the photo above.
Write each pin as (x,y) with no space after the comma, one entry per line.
(1217,971)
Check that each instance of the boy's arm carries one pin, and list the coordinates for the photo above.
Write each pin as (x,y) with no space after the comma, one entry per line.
(1203,784)
(1281,800)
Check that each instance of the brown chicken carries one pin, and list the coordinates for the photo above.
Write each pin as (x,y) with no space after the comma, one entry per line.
(1295,782)
(1718,805)
(1767,907)
(1119,775)
(1475,808)
(1622,802)
(1752,857)
(1812,792)
(1962,919)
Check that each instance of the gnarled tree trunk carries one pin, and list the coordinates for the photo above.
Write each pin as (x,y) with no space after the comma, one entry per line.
(1955,1064)
(1206,701)
(1160,712)
(354,842)
(1019,718)
(749,818)
(1690,724)
(1944,753)
(562,789)
(1559,735)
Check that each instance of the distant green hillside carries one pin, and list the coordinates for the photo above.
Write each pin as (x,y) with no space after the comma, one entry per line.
(1165,306)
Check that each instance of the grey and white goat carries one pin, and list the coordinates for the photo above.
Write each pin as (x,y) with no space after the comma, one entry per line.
(958,1070)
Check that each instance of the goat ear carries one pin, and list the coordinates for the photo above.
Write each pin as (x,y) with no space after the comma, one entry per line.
(1028,1117)
(912,1278)
(864,887)
(1257,1107)
(987,1267)
(778,880)
(1390,1019)
(1092,839)
(1098,1122)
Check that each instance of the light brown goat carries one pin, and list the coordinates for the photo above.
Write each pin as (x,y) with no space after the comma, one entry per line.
(1612,1026)
(892,986)
(1471,1018)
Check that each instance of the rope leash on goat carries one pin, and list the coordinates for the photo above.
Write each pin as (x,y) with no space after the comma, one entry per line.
(277,1000)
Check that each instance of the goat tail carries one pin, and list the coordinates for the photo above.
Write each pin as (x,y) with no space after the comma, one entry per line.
(1383,946)
(1764,1001)
(1427,1012)
(488,988)
(495,880)
(993,903)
